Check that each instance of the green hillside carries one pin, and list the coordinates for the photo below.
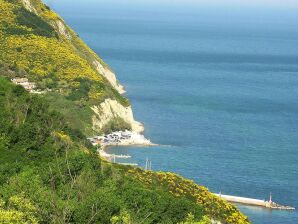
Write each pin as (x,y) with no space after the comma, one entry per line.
(49,172)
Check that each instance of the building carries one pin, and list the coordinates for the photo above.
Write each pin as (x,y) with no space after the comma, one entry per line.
(29,86)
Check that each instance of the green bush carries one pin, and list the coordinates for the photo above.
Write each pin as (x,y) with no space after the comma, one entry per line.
(116,124)
(34,22)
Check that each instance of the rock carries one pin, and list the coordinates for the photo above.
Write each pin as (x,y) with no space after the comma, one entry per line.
(110,109)
(62,29)
(29,6)
(110,76)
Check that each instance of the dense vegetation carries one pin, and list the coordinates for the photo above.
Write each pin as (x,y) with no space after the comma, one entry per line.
(116,124)
(178,186)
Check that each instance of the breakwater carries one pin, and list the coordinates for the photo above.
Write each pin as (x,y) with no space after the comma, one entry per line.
(255,202)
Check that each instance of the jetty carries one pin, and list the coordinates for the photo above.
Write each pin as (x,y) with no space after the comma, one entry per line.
(111,157)
(129,164)
(255,202)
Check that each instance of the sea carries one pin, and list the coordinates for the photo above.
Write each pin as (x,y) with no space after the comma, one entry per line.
(216,88)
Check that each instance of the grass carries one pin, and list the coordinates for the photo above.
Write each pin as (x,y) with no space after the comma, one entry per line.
(78,116)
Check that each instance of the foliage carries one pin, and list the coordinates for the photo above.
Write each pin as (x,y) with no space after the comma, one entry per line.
(123,218)
(48,52)
(42,48)
(77,115)
(116,124)
(4,142)
(191,220)
(34,23)
(213,206)
(18,210)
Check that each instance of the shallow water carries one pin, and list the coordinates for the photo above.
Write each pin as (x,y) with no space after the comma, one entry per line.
(220,96)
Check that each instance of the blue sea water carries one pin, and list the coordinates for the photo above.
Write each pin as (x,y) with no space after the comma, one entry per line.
(219,93)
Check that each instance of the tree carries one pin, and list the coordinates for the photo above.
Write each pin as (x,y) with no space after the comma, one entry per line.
(191,220)
(4,142)
(18,210)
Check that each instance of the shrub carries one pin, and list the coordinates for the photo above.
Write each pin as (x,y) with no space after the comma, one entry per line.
(35,23)
(116,124)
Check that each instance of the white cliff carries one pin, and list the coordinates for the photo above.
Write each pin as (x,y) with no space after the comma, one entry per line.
(110,76)
(29,6)
(62,29)
(110,109)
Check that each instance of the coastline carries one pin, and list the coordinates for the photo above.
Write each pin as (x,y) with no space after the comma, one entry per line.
(119,138)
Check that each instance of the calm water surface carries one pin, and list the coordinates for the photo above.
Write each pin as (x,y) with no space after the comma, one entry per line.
(219,94)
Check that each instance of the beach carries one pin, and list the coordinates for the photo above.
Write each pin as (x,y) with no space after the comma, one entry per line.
(119,138)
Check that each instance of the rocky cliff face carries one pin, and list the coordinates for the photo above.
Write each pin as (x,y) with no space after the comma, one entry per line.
(62,29)
(111,109)
(110,76)
(29,6)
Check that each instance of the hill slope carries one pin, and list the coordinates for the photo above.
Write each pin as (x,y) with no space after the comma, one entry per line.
(35,43)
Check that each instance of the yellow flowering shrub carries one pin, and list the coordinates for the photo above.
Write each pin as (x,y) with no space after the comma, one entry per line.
(213,206)
(43,47)
(63,138)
